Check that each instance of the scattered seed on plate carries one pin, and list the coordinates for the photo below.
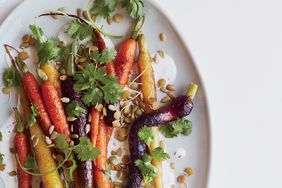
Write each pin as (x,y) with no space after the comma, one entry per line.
(166,99)
(51,129)
(109,20)
(65,99)
(87,128)
(89,118)
(113,152)
(164,90)
(71,129)
(189,171)
(170,87)
(35,142)
(181,179)
(6,90)
(23,55)
(171,95)
(74,136)
(113,160)
(117,18)
(117,115)
(26,38)
(112,107)
(12,173)
(161,53)
(99,107)
(117,167)
(172,165)
(71,118)
(126,94)
(119,152)
(116,123)
(134,86)
(48,140)
(161,82)
(162,36)
(54,135)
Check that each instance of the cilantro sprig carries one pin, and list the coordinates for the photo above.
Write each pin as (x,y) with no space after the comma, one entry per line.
(107,55)
(97,85)
(182,126)
(30,163)
(2,165)
(159,154)
(134,8)
(146,134)
(79,30)
(48,48)
(34,114)
(73,109)
(11,78)
(147,170)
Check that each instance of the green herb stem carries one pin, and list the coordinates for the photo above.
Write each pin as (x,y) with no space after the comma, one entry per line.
(137,28)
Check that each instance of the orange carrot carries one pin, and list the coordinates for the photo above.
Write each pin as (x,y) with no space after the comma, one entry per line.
(34,94)
(21,144)
(99,176)
(124,60)
(95,117)
(55,107)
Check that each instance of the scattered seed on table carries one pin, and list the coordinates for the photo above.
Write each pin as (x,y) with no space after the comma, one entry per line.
(54,16)
(71,129)
(118,18)
(104,111)
(89,118)
(117,167)
(162,36)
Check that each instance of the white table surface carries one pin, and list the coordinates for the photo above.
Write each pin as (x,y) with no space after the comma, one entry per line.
(237,46)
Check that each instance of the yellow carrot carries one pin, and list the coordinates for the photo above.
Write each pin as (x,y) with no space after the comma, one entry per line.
(148,88)
(52,74)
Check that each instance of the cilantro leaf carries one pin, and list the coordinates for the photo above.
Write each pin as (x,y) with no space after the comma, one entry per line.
(1,136)
(104,7)
(79,30)
(97,85)
(11,78)
(107,55)
(73,109)
(48,49)
(148,171)
(62,144)
(85,150)
(30,163)
(159,154)
(134,8)
(34,114)
(182,126)
(146,134)
(73,167)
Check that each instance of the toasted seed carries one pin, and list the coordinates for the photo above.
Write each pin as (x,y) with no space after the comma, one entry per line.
(181,179)
(87,128)
(126,94)
(12,173)
(74,136)
(35,142)
(117,167)
(48,140)
(161,82)
(116,123)
(113,160)
(170,87)
(24,45)
(125,159)
(65,99)
(119,152)
(189,171)
(63,77)
(82,59)
(172,165)
(71,118)
(51,129)
(127,120)
(117,115)
(171,95)
(161,53)
(26,38)
(109,20)
(71,129)
(134,86)
(51,145)
(112,107)
(104,111)
(79,12)
(42,74)
(6,90)
(155,106)
(89,118)
(164,90)
(165,99)
(117,18)
(23,55)
(99,107)
(138,112)
(121,139)
(162,36)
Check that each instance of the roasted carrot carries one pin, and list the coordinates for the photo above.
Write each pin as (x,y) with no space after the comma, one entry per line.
(43,154)
(99,172)
(22,148)
(148,89)
(53,75)
(95,117)
(34,94)
(55,107)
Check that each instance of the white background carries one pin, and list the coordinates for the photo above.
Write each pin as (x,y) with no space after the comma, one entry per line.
(237,46)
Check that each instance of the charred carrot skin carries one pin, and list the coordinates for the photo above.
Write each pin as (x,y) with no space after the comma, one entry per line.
(34,94)
(99,177)
(124,60)
(55,108)
(22,147)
